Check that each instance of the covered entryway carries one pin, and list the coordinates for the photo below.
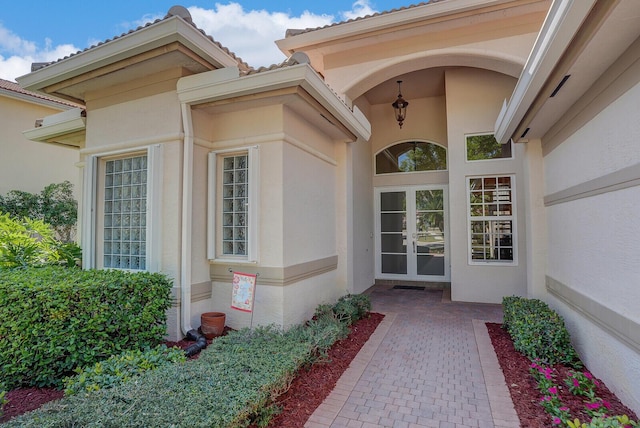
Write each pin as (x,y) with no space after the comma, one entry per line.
(412,233)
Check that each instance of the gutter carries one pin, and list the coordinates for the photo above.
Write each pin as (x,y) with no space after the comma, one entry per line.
(186,223)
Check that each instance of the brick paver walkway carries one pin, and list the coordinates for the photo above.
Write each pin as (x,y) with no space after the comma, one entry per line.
(429,364)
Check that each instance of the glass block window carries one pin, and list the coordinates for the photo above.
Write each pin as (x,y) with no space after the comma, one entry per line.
(235,190)
(125,213)
(492,218)
(485,147)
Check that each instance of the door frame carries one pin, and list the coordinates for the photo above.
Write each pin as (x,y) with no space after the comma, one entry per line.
(412,276)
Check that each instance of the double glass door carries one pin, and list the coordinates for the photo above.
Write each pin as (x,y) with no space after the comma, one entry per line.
(412,233)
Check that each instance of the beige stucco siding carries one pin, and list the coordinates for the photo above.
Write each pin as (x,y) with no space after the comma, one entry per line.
(133,122)
(593,230)
(297,214)
(27,165)
(474,98)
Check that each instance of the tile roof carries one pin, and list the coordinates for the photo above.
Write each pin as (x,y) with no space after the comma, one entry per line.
(10,86)
(295,32)
(172,12)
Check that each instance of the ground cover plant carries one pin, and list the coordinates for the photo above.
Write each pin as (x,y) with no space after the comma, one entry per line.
(233,383)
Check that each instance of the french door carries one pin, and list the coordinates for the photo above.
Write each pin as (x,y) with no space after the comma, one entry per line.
(412,233)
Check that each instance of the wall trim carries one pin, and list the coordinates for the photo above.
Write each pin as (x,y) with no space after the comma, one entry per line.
(199,292)
(176,137)
(619,326)
(279,276)
(618,180)
(277,137)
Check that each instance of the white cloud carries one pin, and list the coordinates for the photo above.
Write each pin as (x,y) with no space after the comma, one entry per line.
(359,8)
(249,34)
(17,54)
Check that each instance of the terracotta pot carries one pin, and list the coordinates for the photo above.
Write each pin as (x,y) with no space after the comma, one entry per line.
(212,324)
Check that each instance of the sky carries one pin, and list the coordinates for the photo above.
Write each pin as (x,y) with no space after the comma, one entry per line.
(47,30)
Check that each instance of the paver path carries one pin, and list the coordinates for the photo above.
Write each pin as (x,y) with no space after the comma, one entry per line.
(422,368)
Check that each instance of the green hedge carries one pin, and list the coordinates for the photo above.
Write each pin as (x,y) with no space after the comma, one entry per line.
(232,384)
(538,332)
(55,319)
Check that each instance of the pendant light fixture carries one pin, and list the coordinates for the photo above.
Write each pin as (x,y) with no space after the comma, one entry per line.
(400,106)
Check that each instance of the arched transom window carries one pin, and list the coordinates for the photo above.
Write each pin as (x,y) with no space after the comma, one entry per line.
(411,156)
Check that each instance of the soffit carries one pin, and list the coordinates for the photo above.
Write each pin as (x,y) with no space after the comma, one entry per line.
(128,70)
(165,44)
(596,52)
(418,84)
(296,98)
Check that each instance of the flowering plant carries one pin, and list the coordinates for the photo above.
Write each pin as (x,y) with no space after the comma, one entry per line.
(582,383)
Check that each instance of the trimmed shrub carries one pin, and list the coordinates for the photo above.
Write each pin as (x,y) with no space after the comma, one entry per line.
(121,368)
(352,307)
(232,384)
(538,332)
(55,319)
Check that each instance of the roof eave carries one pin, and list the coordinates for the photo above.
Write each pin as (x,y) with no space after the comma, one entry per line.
(35,100)
(153,36)
(560,27)
(381,22)
(66,128)
(225,84)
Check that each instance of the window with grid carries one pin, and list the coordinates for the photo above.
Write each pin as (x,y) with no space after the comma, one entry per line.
(125,213)
(492,219)
(235,190)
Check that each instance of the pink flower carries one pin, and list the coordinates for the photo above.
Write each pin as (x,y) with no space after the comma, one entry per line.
(545,398)
(557,421)
(576,383)
(553,390)
(564,409)
(587,375)
(593,406)
(606,404)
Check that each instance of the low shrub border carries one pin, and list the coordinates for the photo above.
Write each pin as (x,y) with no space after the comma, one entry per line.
(232,384)
(538,332)
(121,368)
(526,320)
(55,319)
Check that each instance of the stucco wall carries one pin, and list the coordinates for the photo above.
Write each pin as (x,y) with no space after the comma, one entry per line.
(27,165)
(474,98)
(362,267)
(593,239)
(297,215)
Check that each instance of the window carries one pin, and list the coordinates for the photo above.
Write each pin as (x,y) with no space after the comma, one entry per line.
(411,156)
(485,147)
(233,205)
(125,213)
(121,208)
(492,219)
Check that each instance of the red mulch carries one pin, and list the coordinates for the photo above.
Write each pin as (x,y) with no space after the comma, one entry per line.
(525,396)
(312,385)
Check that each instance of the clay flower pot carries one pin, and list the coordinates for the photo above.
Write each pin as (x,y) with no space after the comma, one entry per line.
(212,324)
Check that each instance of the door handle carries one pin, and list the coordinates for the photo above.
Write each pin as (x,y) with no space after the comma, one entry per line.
(414,246)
